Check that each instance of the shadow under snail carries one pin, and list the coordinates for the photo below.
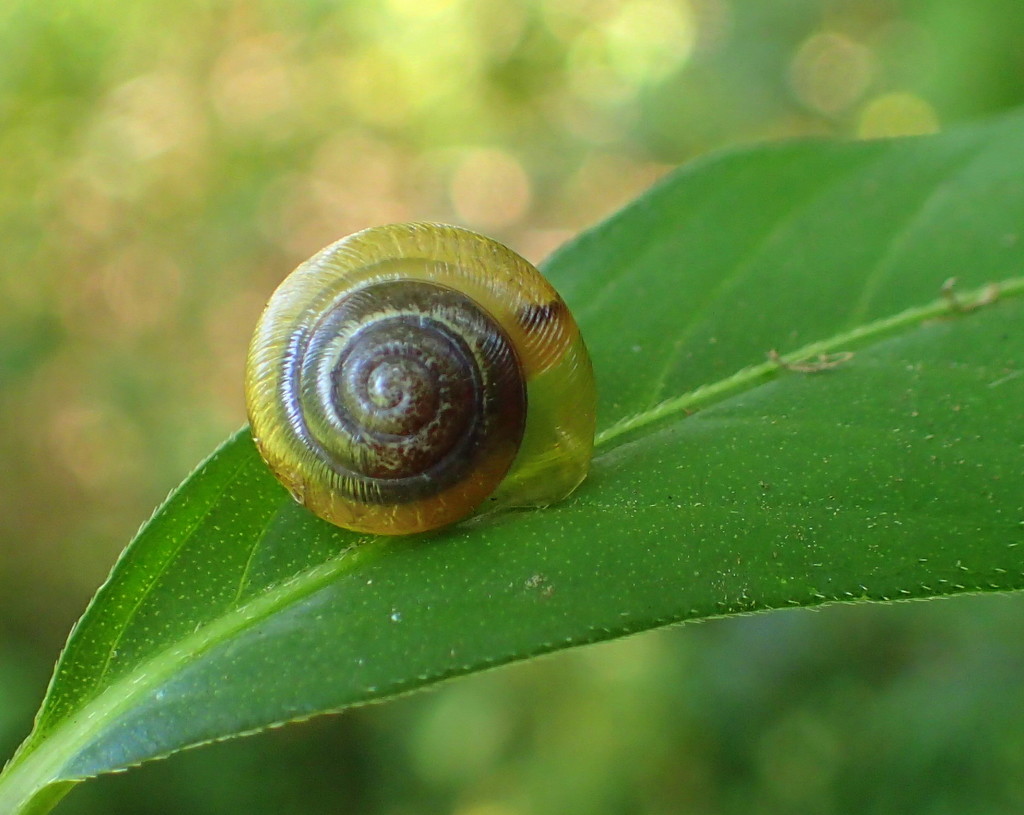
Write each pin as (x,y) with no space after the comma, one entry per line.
(410,375)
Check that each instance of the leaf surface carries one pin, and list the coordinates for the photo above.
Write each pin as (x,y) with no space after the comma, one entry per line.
(723,481)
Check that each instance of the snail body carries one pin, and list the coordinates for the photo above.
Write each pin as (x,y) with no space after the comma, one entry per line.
(408,375)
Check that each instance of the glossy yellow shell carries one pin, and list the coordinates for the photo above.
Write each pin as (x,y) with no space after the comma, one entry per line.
(410,375)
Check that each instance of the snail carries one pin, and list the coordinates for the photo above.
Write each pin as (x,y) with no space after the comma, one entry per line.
(410,375)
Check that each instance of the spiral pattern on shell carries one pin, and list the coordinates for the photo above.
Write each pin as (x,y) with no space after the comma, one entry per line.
(388,381)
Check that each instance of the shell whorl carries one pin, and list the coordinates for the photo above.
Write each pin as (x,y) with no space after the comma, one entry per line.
(390,378)
(401,388)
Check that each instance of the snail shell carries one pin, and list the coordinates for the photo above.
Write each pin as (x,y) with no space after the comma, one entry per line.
(408,374)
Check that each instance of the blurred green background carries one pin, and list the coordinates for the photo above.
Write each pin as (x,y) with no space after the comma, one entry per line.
(164,164)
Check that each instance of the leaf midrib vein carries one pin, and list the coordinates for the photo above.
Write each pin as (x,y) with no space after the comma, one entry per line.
(161,570)
(98,713)
(746,264)
(124,623)
(964,304)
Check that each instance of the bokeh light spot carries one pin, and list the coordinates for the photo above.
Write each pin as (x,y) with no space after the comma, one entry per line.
(641,43)
(149,115)
(830,72)
(897,114)
(490,189)
(421,8)
(144,119)
(650,39)
(141,288)
(378,88)
(249,83)
(96,444)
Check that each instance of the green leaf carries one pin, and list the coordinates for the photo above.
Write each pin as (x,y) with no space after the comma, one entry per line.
(800,479)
